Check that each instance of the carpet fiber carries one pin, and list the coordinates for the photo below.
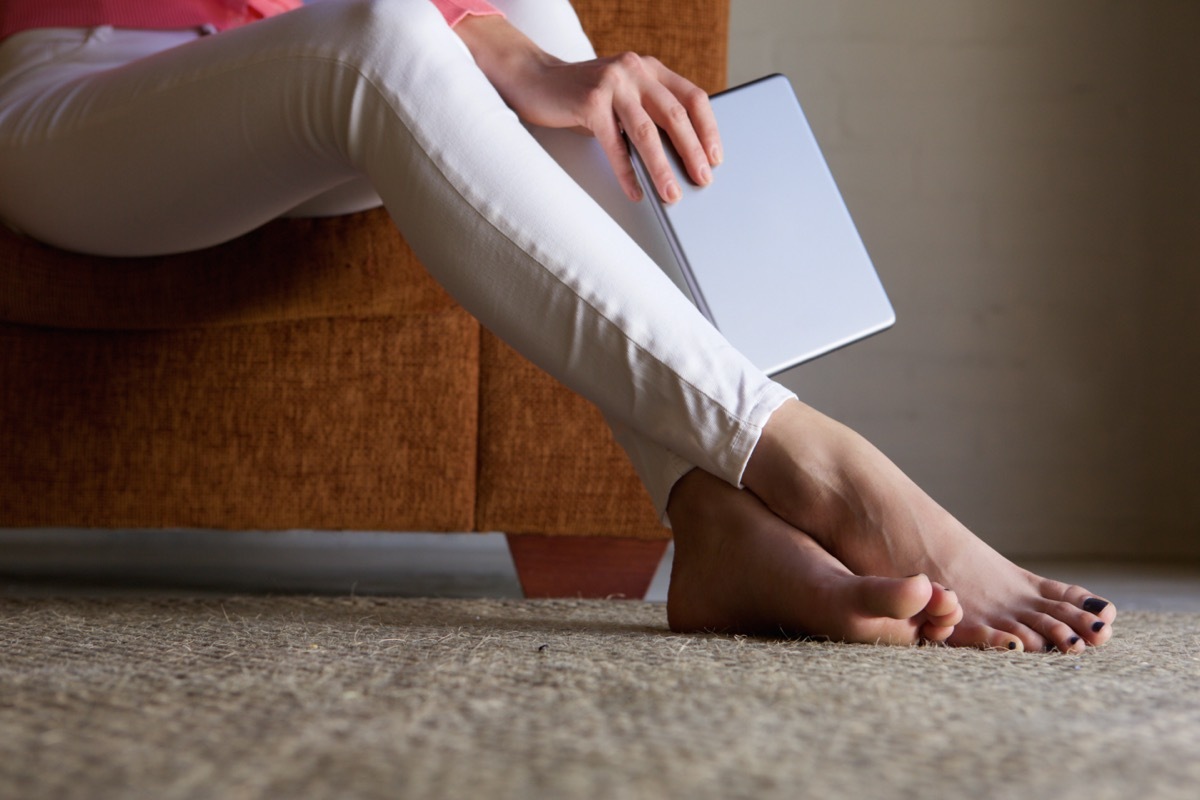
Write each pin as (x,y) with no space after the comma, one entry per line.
(247,697)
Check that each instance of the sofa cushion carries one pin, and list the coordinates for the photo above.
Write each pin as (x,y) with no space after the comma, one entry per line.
(361,424)
(292,269)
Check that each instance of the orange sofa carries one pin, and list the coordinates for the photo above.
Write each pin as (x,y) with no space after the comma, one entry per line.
(311,375)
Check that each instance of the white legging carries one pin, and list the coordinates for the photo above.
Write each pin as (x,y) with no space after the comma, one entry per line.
(119,142)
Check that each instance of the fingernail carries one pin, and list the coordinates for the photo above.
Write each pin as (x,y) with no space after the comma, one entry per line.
(715,155)
(637,194)
(705,175)
(1097,627)
(1094,605)
(673,193)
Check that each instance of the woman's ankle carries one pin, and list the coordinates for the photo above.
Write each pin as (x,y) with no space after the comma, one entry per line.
(805,468)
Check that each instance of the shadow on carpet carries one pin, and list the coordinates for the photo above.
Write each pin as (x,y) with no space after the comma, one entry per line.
(379,697)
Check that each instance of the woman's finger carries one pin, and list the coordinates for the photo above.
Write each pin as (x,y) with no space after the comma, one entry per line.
(608,134)
(673,117)
(642,131)
(699,110)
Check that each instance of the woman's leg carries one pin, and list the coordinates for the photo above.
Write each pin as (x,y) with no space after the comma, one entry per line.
(737,566)
(553,25)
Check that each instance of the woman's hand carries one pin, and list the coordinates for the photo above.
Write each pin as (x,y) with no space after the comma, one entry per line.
(630,93)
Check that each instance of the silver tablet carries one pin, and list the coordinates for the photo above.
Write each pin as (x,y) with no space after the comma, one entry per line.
(768,251)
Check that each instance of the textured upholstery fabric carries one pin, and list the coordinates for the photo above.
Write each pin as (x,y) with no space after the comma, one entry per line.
(287,425)
(690,36)
(547,463)
(309,374)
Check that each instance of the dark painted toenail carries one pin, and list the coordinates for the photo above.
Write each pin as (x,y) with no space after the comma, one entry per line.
(1012,645)
(1097,626)
(1073,640)
(1094,605)
(1049,646)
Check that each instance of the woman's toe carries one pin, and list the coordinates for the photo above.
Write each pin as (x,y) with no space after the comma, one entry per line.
(985,637)
(1057,635)
(943,607)
(936,634)
(1080,598)
(946,620)
(1090,627)
(892,598)
(1031,640)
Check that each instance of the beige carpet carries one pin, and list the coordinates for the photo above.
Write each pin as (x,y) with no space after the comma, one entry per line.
(367,697)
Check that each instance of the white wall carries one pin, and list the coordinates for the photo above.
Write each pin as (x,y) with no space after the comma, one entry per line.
(1004,162)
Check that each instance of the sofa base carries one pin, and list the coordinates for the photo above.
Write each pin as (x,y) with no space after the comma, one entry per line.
(585,566)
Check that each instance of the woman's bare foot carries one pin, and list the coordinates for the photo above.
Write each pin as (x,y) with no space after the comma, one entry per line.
(741,569)
(827,480)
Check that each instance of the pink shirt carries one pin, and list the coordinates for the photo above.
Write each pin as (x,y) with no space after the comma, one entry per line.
(20,15)
(455,10)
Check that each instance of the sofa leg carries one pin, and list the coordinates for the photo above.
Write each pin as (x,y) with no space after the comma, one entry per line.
(585,566)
